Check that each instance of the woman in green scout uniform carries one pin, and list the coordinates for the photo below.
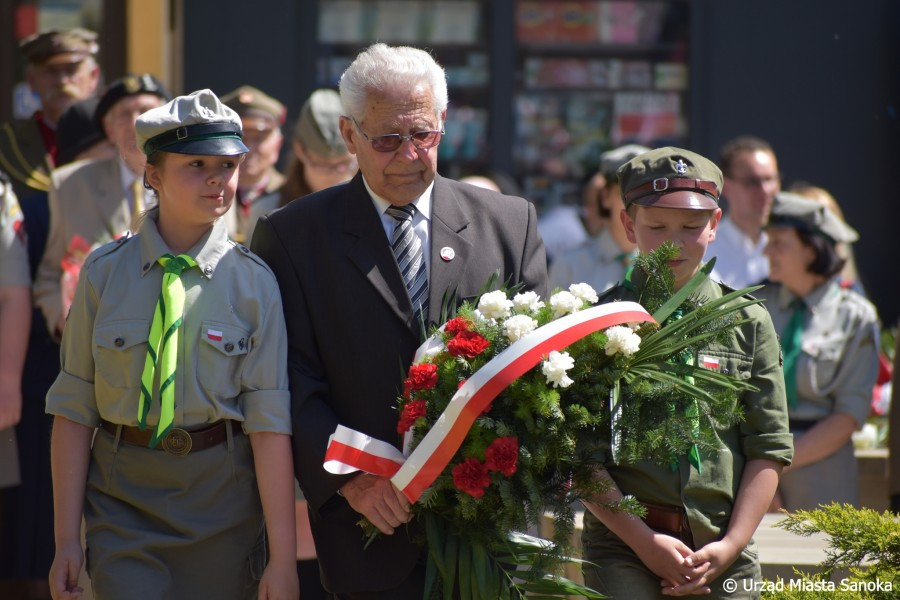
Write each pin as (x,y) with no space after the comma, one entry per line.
(174,353)
(696,537)
(829,338)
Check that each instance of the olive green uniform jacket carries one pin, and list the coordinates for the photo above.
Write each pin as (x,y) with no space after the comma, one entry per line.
(708,497)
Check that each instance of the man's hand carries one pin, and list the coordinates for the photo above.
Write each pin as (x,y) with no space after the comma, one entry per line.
(377,499)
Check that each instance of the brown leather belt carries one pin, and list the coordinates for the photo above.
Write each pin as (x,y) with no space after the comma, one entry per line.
(177,442)
(668,518)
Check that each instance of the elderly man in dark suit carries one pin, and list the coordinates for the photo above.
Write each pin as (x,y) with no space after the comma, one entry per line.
(360,265)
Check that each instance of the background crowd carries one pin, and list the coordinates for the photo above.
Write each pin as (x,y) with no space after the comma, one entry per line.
(73,179)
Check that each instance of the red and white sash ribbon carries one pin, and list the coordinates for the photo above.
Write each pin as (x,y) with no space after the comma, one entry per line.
(349,451)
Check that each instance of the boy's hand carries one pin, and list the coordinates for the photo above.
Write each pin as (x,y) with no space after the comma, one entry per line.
(666,556)
(717,556)
(65,570)
(279,582)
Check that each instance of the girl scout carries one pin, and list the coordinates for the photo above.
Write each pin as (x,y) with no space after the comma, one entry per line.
(173,352)
(829,338)
(696,535)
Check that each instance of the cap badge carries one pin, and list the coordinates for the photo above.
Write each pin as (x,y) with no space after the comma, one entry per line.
(447,253)
(680,167)
(246,97)
(131,84)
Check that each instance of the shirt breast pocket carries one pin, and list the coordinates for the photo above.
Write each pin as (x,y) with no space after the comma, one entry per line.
(733,364)
(222,351)
(120,350)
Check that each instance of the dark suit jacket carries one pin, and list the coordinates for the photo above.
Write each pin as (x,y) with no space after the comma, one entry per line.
(352,336)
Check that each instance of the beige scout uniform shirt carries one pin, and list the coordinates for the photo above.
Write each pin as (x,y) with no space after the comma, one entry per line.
(838,364)
(708,497)
(14,270)
(13,273)
(232,355)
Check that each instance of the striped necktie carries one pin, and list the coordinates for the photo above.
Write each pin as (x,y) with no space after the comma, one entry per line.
(407,249)
(162,351)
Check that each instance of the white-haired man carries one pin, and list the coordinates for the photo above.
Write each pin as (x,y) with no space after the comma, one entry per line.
(353,318)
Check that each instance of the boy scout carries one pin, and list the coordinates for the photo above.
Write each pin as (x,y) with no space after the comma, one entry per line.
(175,350)
(698,527)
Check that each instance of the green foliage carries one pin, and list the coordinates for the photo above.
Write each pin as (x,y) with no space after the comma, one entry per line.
(863,542)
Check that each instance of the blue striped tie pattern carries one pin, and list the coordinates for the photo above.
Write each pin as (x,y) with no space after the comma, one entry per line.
(407,249)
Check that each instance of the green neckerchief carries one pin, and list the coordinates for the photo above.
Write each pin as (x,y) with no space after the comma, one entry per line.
(791,345)
(162,350)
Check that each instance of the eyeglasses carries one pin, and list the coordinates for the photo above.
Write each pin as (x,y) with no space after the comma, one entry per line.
(343,166)
(390,142)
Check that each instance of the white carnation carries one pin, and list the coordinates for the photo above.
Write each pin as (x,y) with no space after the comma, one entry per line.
(621,339)
(564,303)
(527,302)
(584,291)
(495,305)
(555,367)
(518,326)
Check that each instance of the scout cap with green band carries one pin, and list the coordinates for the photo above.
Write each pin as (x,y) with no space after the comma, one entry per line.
(671,178)
(247,101)
(194,124)
(806,214)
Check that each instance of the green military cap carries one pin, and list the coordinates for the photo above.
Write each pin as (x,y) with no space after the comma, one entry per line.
(59,46)
(130,85)
(806,214)
(318,126)
(247,101)
(194,124)
(611,160)
(671,178)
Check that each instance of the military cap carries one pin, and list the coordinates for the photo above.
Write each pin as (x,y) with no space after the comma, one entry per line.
(611,160)
(247,101)
(318,126)
(671,178)
(806,214)
(59,46)
(130,85)
(77,130)
(194,124)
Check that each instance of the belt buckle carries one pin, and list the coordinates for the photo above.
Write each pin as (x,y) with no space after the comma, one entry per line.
(177,442)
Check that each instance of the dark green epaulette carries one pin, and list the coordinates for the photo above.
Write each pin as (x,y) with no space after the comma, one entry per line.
(106,249)
(727,289)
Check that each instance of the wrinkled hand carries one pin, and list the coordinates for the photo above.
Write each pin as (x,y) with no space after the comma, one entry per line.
(666,556)
(717,556)
(65,570)
(377,499)
(279,582)
(10,405)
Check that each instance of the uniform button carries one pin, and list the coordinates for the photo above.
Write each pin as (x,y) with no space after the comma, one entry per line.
(229,347)
(207,269)
(241,343)
(244,249)
(119,342)
(146,266)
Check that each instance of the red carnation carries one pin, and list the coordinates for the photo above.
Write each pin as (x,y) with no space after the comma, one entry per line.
(457,325)
(411,411)
(422,376)
(502,455)
(471,476)
(468,344)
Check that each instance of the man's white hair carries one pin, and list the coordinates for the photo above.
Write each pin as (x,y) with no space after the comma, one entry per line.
(381,68)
